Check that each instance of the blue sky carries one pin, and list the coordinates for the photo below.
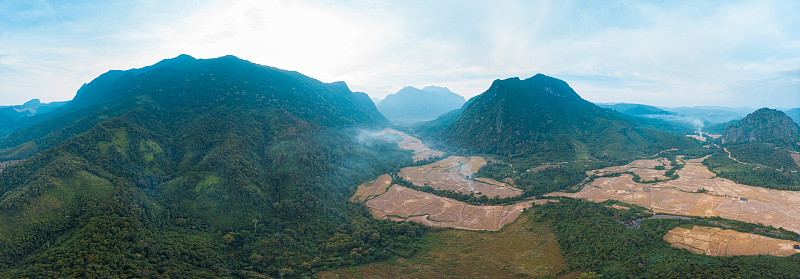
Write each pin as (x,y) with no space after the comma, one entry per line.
(669,53)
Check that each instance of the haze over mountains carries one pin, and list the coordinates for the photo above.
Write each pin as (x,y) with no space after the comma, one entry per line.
(222,168)
(411,105)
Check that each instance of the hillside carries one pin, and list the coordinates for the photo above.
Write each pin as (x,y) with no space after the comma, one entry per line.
(542,119)
(211,83)
(764,125)
(197,168)
(760,150)
(413,105)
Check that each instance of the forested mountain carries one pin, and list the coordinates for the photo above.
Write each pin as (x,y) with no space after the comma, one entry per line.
(196,168)
(413,105)
(542,119)
(764,125)
(758,151)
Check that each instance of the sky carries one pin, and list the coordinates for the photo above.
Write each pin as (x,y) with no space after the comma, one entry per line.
(664,53)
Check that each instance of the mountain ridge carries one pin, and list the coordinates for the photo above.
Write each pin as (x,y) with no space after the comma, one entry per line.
(543,115)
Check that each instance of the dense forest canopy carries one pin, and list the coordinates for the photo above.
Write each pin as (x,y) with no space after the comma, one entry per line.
(199,168)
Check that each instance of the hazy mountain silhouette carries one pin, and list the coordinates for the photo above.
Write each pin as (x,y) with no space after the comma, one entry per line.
(413,105)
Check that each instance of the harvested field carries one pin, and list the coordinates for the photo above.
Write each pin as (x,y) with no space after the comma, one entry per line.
(644,168)
(458,174)
(523,249)
(724,198)
(421,152)
(720,242)
(401,203)
(372,189)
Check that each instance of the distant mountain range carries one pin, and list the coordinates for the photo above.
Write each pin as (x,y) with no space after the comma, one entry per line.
(411,105)
(687,120)
(15,117)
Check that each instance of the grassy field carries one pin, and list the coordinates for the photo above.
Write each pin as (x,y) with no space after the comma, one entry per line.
(523,249)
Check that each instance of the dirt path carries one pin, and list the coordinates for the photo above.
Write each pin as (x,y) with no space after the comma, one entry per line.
(763,166)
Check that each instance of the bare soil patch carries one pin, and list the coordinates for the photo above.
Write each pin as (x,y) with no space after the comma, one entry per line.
(401,203)
(372,189)
(421,152)
(721,242)
(723,197)
(458,174)
(646,169)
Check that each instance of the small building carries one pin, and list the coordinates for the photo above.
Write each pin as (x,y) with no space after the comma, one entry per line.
(743,199)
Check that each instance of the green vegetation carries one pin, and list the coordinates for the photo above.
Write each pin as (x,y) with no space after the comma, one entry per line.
(592,240)
(244,172)
(751,174)
(522,249)
(763,125)
(542,120)
(765,154)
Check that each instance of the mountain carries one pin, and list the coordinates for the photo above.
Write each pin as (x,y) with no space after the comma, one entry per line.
(204,83)
(201,168)
(760,150)
(794,114)
(711,115)
(413,105)
(542,119)
(657,118)
(763,125)
(635,109)
(30,108)
(15,117)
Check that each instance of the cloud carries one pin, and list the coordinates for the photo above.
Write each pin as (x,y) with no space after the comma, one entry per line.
(675,53)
